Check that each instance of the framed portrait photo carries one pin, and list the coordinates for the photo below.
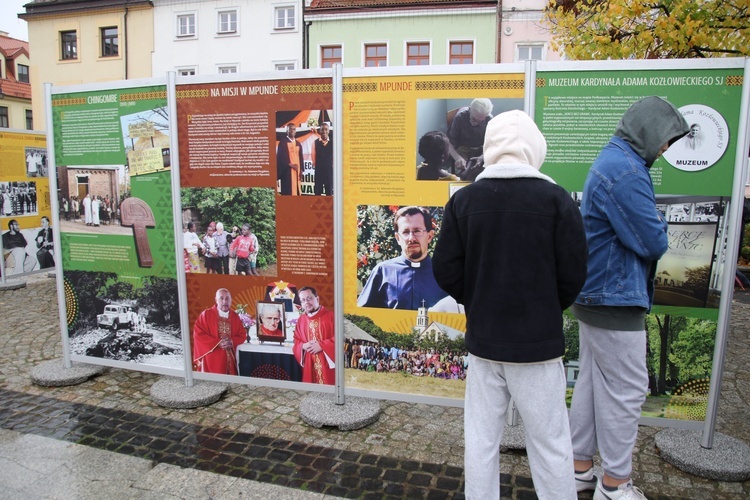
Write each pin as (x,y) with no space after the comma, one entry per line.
(270,321)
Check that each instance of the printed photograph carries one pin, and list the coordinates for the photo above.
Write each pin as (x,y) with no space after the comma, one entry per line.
(229,231)
(688,274)
(304,152)
(36,162)
(679,358)
(18,198)
(270,323)
(135,321)
(90,199)
(146,138)
(394,263)
(27,249)
(450,136)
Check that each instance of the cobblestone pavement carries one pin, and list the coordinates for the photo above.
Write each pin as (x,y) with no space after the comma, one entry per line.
(412,451)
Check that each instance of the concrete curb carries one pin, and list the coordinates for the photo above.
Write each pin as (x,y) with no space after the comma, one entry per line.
(12,285)
(171,392)
(53,373)
(727,460)
(320,409)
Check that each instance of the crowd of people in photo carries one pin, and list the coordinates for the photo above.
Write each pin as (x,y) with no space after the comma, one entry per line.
(369,356)
(222,252)
(19,200)
(94,209)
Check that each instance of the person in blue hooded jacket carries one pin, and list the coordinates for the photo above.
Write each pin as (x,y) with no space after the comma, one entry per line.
(626,236)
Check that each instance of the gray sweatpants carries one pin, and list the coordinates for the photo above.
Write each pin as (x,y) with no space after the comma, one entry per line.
(539,393)
(611,388)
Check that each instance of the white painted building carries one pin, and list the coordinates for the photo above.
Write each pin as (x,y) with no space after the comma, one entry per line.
(208,37)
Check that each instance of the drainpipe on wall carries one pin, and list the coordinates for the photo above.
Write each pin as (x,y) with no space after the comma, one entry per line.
(306,45)
(125,48)
(499,32)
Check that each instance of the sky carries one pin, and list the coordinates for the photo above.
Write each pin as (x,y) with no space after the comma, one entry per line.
(9,21)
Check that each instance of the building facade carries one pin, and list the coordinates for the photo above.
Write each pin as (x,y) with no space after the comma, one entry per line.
(208,37)
(15,87)
(371,33)
(364,33)
(521,33)
(84,41)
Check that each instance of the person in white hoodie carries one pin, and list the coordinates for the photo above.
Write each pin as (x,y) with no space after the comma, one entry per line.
(512,250)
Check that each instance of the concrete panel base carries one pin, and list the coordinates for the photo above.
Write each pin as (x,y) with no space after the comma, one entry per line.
(320,409)
(727,460)
(53,373)
(171,392)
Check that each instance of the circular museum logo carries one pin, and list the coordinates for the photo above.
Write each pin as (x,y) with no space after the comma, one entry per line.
(706,142)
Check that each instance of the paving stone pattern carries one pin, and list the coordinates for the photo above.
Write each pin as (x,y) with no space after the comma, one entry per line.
(412,451)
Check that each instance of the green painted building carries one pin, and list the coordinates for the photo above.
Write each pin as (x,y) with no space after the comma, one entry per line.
(369,33)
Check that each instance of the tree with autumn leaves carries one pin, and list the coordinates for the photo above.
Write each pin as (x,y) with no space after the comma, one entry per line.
(638,29)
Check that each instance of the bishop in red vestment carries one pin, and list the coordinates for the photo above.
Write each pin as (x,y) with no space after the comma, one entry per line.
(216,334)
(314,340)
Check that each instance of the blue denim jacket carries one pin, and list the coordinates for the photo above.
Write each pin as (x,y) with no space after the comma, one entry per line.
(625,232)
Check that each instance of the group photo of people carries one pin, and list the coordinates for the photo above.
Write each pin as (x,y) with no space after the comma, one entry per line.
(91,213)
(229,231)
(18,198)
(218,251)
(93,210)
(418,362)
(90,198)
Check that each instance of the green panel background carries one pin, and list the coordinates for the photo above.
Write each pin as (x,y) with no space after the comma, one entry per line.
(722,94)
(154,188)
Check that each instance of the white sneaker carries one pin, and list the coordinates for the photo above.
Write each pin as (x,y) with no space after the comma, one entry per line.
(586,480)
(626,491)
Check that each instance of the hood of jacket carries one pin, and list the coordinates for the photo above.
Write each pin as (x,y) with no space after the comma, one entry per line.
(513,138)
(513,148)
(649,124)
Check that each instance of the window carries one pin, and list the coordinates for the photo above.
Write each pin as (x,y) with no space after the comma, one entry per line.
(4,117)
(417,54)
(227,21)
(284,17)
(186,25)
(186,71)
(232,68)
(29,120)
(69,44)
(110,42)
(23,73)
(530,52)
(330,56)
(461,53)
(284,66)
(376,55)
